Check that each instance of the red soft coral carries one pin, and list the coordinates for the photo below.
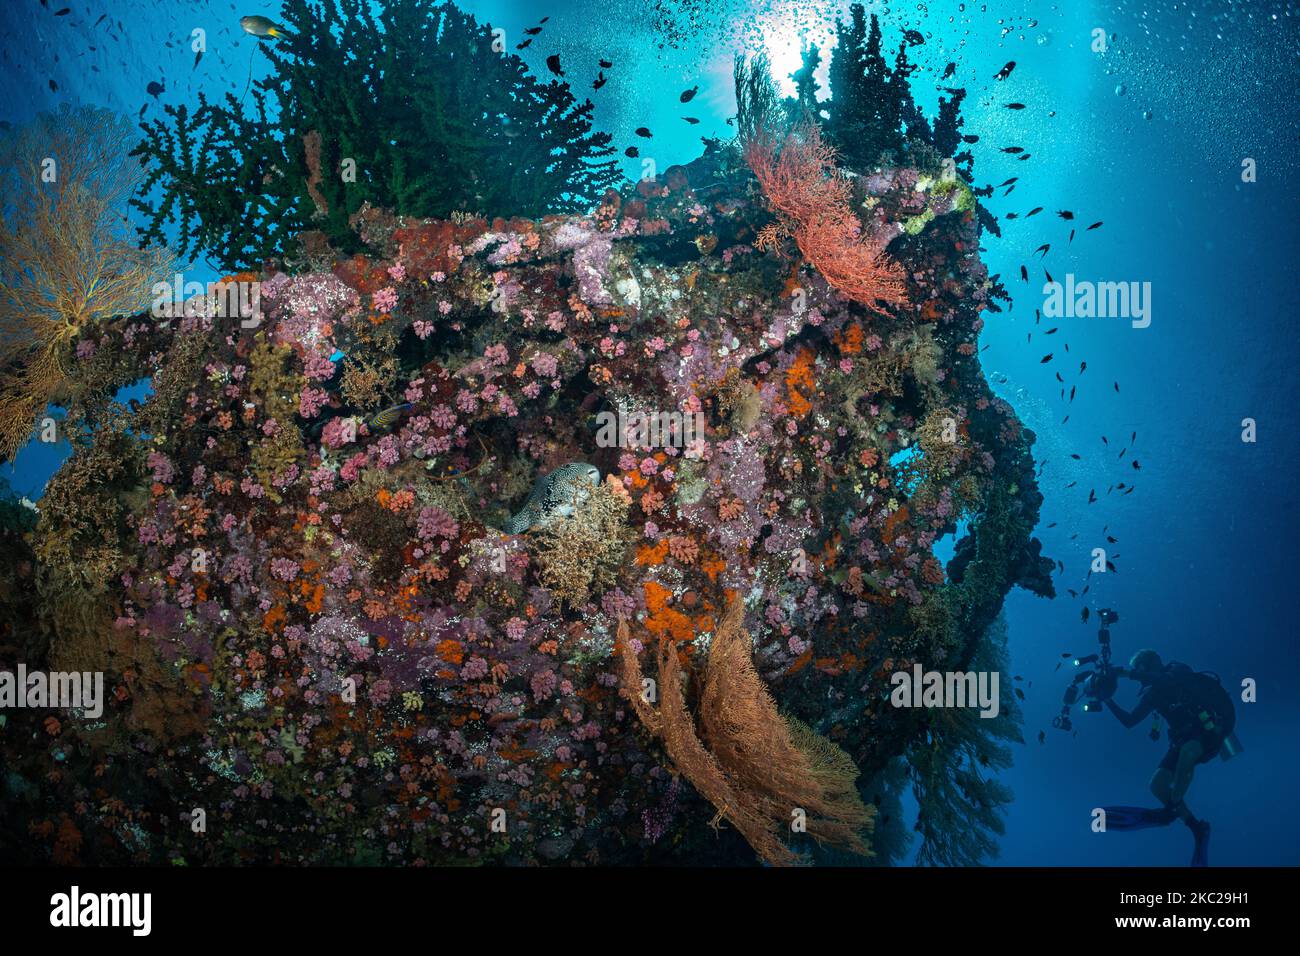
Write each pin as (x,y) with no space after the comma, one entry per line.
(804,185)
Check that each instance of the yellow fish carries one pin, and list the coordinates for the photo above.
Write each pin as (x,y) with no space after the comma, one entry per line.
(262,27)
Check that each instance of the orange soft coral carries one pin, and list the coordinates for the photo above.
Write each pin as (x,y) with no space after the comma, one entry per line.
(800,383)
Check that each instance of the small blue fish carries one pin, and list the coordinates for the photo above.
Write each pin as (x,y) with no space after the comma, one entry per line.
(382,421)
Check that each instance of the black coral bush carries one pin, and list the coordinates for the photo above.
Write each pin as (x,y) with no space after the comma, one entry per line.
(414,108)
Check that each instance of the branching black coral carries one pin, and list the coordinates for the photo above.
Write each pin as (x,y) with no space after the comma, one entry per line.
(871,111)
(414,108)
(219,178)
(952,770)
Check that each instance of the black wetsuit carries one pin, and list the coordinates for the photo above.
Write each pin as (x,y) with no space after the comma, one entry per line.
(1181,696)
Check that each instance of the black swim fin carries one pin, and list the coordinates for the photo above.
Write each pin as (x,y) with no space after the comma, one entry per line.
(1138,818)
(1201,855)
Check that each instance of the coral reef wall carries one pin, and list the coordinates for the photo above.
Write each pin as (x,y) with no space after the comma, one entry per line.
(314,628)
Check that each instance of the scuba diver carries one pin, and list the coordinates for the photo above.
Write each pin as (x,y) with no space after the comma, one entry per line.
(1198,714)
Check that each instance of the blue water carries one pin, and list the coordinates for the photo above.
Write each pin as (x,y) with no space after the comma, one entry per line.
(1204,545)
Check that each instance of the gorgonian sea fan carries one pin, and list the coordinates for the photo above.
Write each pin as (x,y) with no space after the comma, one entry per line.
(803,184)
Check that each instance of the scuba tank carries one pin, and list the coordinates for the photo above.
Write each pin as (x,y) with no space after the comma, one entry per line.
(1231,747)
(1213,708)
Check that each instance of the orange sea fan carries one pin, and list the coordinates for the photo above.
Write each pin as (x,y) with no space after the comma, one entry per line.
(755,766)
(671,722)
(780,762)
(808,190)
(67,260)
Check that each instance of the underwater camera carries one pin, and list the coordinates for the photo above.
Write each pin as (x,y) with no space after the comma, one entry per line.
(1096,683)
